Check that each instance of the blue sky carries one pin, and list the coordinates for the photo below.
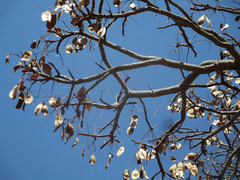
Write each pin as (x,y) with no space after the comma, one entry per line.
(29,148)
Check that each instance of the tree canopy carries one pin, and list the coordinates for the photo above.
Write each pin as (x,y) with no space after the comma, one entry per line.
(157,80)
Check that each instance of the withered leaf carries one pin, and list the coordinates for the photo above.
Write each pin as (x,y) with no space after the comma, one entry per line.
(7,59)
(92,27)
(52,23)
(19,104)
(34,44)
(47,69)
(34,76)
(26,56)
(75,143)
(81,91)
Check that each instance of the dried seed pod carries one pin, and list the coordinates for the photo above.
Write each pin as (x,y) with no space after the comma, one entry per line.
(201,20)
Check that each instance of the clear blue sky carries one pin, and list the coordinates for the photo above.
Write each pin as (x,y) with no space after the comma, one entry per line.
(30,150)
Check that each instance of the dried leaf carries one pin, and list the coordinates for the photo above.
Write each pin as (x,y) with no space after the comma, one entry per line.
(201,20)
(120,151)
(62,134)
(50,24)
(34,76)
(117,2)
(28,99)
(7,59)
(225,27)
(81,91)
(34,44)
(101,32)
(13,93)
(173,168)
(38,109)
(26,56)
(83,154)
(135,174)
(75,143)
(173,158)
(173,147)
(44,109)
(19,104)
(92,27)
(69,128)
(209,22)
(209,116)
(58,103)
(46,16)
(178,146)
(190,156)
(109,160)
(92,159)
(60,3)
(69,49)
(187,165)
(47,69)
(62,111)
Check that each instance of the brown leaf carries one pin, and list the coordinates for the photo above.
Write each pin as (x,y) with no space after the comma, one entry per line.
(26,56)
(34,44)
(34,76)
(92,27)
(69,128)
(7,59)
(52,22)
(81,91)
(173,158)
(117,2)
(47,69)
(19,104)
(58,120)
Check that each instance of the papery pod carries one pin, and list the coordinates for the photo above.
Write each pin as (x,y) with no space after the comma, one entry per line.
(178,146)
(139,160)
(69,49)
(13,93)
(52,23)
(58,120)
(130,130)
(173,168)
(62,134)
(52,102)
(101,32)
(194,170)
(188,165)
(109,160)
(133,6)
(190,156)
(44,109)
(201,20)
(26,56)
(135,174)
(151,155)
(83,153)
(58,103)
(92,159)
(38,109)
(46,16)
(209,22)
(173,147)
(143,153)
(120,151)
(126,174)
(60,3)
(75,143)
(28,99)
(225,27)
(209,116)
(82,2)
